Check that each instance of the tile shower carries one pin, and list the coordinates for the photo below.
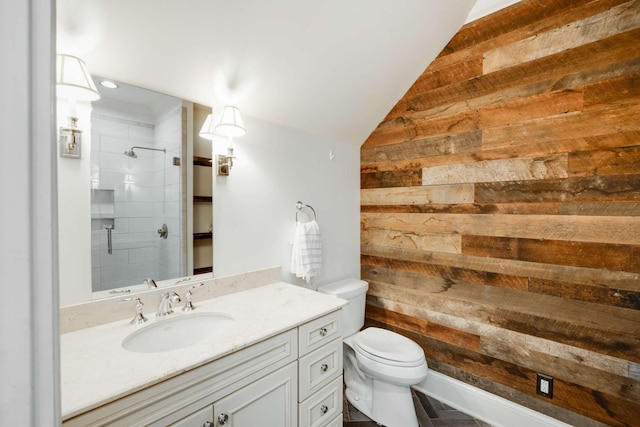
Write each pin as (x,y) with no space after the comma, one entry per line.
(135,196)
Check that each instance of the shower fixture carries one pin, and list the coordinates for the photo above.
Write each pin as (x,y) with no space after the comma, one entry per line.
(133,155)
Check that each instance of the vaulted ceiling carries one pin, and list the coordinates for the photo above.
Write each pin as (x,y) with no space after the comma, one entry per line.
(333,67)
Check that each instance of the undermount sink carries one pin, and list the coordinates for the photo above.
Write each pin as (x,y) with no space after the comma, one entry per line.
(178,332)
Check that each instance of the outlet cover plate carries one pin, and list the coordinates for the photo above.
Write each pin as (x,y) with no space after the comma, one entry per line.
(544,385)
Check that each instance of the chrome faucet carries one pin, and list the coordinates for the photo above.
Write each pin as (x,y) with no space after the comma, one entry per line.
(165,303)
(150,283)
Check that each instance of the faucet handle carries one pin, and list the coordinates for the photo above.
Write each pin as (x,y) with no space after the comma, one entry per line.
(150,283)
(139,318)
(188,305)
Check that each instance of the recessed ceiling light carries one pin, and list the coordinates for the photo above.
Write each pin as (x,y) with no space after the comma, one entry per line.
(108,84)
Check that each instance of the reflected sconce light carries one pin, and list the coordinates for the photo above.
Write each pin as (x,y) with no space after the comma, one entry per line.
(206,131)
(73,82)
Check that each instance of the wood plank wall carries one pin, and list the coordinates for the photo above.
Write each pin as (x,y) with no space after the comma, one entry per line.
(500,209)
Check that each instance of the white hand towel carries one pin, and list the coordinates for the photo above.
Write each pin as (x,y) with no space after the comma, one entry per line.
(306,254)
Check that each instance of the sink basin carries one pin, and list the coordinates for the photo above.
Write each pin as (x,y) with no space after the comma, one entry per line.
(178,332)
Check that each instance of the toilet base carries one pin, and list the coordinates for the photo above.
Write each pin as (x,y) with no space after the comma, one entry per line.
(390,405)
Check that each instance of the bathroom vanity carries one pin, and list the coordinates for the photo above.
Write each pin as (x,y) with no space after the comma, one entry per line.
(279,363)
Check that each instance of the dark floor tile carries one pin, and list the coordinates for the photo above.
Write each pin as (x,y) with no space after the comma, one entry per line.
(425,402)
(454,423)
(452,414)
(436,404)
(352,414)
(421,413)
(359,424)
(429,411)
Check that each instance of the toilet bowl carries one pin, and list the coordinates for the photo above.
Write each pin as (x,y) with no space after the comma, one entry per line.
(380,366)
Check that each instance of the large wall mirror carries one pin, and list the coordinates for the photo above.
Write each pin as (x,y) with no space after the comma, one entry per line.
(150,187)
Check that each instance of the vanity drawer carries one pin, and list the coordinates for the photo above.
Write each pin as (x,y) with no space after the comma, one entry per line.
(316,369)
(322,408)
(318,332)
(336,422)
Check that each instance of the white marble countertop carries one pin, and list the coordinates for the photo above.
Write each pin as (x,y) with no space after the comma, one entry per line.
(95,369)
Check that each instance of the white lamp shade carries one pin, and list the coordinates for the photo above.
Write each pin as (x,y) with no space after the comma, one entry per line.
(73,80)
(231,122)
(206,131)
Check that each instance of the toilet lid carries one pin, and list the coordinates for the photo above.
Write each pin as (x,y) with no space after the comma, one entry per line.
(388,347)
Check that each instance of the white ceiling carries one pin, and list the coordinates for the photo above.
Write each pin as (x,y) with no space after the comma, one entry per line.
(331,67)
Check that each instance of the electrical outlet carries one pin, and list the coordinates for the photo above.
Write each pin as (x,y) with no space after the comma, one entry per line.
(544,386)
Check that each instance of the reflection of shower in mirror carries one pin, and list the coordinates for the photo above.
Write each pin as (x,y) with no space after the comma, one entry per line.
(133,155)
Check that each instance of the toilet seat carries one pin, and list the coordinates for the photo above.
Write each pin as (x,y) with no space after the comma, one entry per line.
(388,348)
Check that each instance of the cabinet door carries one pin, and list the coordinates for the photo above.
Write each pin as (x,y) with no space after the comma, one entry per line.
(268,402)
(197,419)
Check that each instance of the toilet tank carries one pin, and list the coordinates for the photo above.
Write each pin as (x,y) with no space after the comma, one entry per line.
(354,291)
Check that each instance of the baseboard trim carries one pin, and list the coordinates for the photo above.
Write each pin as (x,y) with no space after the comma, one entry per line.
(487,407)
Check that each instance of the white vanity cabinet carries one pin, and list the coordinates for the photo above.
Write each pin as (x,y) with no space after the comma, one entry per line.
(271,400)
(320,372)
(201,418)
(288,380)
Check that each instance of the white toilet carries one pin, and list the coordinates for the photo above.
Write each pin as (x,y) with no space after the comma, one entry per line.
(379,365)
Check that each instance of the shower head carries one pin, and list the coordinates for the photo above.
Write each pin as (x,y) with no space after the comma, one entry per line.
(131,154)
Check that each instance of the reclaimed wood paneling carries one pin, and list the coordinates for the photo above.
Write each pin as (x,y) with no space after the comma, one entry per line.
(519,22)
(578,254)
(615,230)
(497,170)
(445,194)
(578,33)
(465,142)
(602,53)
(411,314)
(397,178)
(500,209)
(614,161)
(588,189)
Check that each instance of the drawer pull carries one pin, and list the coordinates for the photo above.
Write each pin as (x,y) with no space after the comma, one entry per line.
(324,409)
(207,424)
(324,367)
(323,332)
(222,419)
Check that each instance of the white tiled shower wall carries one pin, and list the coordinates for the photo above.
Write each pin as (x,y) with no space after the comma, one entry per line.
(146,196)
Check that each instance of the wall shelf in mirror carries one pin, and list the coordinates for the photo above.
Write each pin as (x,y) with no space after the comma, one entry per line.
(203,270)
(202,197)
(202,236)
(202,161)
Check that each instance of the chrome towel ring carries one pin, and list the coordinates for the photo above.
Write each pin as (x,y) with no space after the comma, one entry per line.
(300,205)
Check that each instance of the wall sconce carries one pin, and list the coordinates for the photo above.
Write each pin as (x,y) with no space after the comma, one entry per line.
(73,82)
(71,140)
(225,162)
(231,126)
(230,123)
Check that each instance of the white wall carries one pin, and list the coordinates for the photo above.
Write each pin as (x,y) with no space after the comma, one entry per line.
(254,207)
(28,266)
(74,209)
